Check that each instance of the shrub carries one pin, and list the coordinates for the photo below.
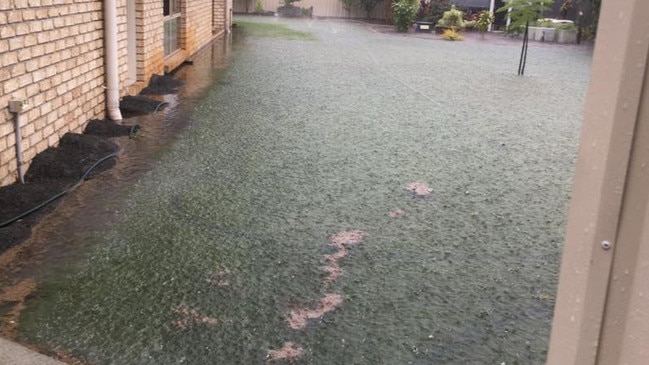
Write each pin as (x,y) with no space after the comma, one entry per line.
(452,35)
(259,6)
(405,12)
(453,18)
(485,18)
(369,5)
(546,23)
(565,8)
(469,24)
(587,33)
(347,4)
(524,12)
(566,26)
(433,10)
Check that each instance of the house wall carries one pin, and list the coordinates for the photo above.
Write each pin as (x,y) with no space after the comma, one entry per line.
(150,34)
(197,20)
(52,56)
(220,13)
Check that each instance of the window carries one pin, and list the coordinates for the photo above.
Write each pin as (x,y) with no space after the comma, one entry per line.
(171,12)
(171,7)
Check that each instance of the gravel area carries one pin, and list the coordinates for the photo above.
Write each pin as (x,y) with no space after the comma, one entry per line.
(365,197)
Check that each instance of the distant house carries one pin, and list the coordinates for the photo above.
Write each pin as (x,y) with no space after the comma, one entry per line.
(54,56)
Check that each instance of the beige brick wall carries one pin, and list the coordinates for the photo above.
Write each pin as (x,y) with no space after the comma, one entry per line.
(51,54)
(197,20)
(219,16)
(150,33)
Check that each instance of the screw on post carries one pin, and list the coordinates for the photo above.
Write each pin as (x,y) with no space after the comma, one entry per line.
(606,245)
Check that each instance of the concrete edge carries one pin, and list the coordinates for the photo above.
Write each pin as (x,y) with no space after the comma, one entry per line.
(12,353)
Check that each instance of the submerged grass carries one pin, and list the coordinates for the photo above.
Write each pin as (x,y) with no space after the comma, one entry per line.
(272,30)
(233,229)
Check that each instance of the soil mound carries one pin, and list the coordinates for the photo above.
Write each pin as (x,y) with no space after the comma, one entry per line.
(108,128)
(139,105)
(18,198)
(161,85)
(51,173)
(74,155)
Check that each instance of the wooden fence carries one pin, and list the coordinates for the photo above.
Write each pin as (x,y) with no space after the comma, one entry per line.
(322,8)
(383,10)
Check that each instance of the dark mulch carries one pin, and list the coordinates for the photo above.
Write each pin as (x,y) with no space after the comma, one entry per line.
(131,106)
(162,85)
(18,198)
(50,173)
(108,128)
(74,155)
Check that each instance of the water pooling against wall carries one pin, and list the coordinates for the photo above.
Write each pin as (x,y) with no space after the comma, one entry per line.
(313,212)
(62,239)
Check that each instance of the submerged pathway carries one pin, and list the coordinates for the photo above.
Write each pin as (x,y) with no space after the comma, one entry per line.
(357,198)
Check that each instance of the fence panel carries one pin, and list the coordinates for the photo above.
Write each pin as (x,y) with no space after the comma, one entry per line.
(322,8)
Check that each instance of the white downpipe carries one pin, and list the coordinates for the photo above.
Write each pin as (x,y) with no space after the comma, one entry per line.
(492,5)
(112,75)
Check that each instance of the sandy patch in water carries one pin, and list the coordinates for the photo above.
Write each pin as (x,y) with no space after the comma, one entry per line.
(190,316)
(419,189)
(341,241)
(289,352)
(298,318)
(346,238)
(14,297)
(334,272)
(218,277)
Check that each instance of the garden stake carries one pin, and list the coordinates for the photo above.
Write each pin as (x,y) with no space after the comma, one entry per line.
(523,60)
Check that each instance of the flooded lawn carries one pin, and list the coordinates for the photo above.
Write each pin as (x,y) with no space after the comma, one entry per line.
(349,197)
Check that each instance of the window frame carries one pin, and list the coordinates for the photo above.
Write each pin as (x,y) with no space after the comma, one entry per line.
(171,14)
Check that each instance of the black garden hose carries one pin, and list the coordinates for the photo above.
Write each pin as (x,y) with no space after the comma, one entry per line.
(64,192)
(133,131)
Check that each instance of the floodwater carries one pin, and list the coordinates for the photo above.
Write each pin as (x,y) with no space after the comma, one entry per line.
(363,198)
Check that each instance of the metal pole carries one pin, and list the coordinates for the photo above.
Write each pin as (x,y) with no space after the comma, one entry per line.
(19,149)
(521,65)
(509,19)
(492,5)
(527,43)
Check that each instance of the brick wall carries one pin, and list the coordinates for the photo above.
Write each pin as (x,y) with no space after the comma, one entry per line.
(150,34)
(196,24)
(51,54)
(196,29)
(219,16)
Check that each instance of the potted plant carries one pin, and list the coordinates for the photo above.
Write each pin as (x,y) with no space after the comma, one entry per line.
(542,31)
(566,33)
